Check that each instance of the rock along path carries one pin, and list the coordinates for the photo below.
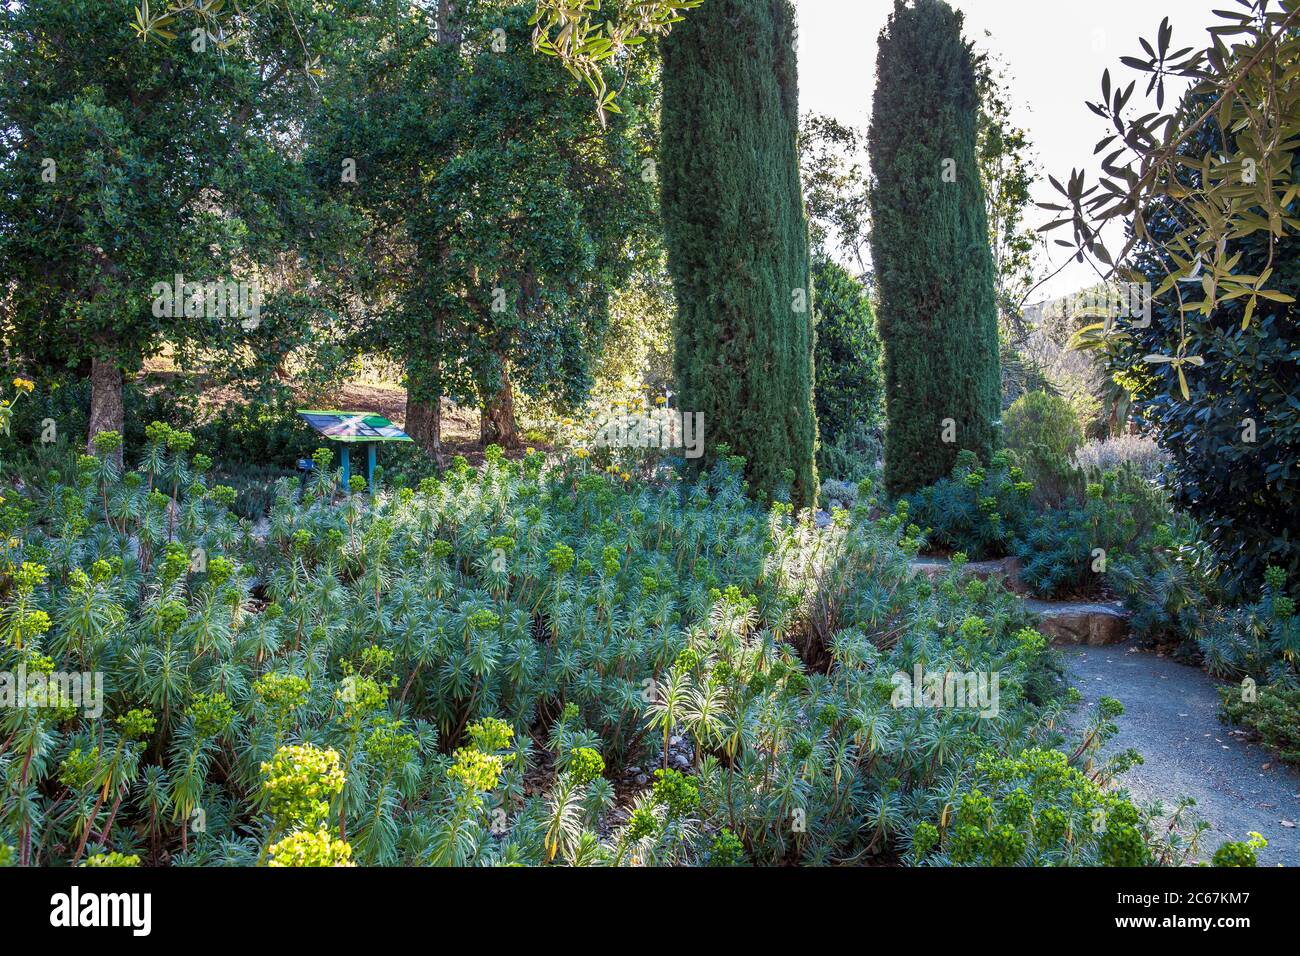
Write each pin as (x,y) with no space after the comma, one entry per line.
(1170,717)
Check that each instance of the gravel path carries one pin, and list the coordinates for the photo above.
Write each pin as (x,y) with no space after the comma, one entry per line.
(1170,718)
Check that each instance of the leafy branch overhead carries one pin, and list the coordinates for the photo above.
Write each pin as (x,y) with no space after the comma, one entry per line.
(162,26)
(584,35)
(214,22)
(1244,94)
(584,41)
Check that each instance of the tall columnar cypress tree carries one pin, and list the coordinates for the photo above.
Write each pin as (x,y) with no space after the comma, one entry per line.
(929,244)
(737,237)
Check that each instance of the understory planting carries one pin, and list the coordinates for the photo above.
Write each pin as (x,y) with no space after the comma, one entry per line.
(723,479)
(526,663)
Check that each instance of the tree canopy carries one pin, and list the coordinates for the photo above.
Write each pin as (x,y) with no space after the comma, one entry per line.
(130,164)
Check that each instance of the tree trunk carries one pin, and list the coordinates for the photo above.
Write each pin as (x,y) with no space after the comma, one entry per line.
(443,22)
(424,424)
(106,409)
(497,420)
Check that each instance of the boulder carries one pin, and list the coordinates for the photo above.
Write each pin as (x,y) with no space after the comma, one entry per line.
(1095,625)
(1008,570)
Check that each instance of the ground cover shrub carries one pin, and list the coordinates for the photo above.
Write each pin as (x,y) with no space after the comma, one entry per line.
(1069,550)
(1138,452)
(1175,598)
(839,494)
(1273,715)
(978,511)
(1044,433)
(255,488)
(1260,641)
(467,671)
(400,465)
(1239,853)
(636,436)
(989,513)
(1171,588)
(856,453)
(258,433)
(1036,809)
(55,413)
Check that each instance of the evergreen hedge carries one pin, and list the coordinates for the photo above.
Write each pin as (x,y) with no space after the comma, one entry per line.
(934,271)
(737,237)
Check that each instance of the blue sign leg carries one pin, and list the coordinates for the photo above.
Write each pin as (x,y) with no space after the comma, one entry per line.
(370,466)
(347,470)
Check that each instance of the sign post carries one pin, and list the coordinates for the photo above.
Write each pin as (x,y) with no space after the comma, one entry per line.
(355,428)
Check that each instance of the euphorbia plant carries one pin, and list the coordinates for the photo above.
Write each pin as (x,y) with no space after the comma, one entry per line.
(299,783)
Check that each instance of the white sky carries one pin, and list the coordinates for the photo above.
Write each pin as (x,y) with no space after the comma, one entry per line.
(1054,51)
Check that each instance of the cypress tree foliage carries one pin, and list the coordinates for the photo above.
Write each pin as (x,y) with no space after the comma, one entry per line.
(737,237)
(934,271)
